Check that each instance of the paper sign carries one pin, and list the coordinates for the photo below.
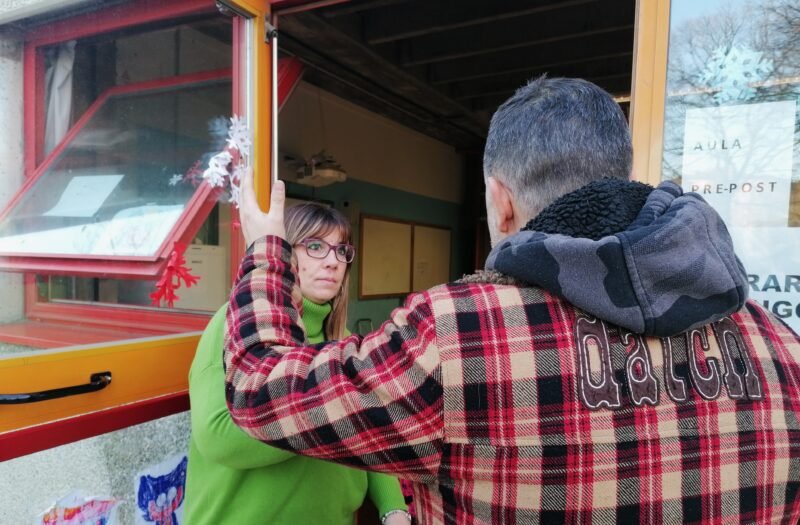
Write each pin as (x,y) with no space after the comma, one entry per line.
(739,158)
(84,195)
(772,261)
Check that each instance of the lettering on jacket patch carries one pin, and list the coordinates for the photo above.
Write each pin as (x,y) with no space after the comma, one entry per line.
(685,365)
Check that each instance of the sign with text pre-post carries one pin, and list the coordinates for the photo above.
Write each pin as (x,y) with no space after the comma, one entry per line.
(739,158)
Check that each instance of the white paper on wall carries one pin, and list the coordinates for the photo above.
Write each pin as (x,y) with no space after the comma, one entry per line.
(739,158)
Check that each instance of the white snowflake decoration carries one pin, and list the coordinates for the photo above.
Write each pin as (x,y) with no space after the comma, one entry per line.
(239,136)
(733,72)
(235,194)
(238,171)
(220,173)
(217,170)
(175,179)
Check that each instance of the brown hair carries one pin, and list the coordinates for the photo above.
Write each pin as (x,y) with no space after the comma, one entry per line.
(316,220)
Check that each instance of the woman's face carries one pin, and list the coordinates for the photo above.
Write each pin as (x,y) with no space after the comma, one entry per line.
(320,279)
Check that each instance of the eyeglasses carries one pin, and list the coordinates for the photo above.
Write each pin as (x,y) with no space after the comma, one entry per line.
(319,249)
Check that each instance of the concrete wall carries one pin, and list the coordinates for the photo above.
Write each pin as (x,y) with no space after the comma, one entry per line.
(12,10)
(103,466)
(11,153)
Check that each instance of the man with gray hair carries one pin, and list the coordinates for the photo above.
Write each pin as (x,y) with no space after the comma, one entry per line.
(606,367)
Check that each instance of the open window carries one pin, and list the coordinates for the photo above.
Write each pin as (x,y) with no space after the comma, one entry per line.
(120,125)
(124,105)
(125,184)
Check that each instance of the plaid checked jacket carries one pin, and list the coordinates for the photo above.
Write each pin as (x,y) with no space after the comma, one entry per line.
(505,404)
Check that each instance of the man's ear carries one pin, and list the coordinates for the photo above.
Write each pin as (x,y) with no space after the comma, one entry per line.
(503,206)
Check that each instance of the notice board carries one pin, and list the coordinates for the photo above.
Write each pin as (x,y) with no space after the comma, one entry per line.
(431,258)
(385,258)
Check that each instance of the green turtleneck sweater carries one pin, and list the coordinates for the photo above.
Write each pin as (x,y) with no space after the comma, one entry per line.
(233,478)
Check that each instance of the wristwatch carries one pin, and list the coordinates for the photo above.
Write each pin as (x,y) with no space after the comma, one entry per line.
(396,511)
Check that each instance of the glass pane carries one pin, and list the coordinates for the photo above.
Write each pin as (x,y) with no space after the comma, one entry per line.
(731,131)
(83,70)
(208,258)
(118,188)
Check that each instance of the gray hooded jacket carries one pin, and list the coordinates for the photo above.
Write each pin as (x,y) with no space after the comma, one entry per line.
(671,269)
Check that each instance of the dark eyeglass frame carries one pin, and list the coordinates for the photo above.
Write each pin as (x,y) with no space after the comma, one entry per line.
(328,247)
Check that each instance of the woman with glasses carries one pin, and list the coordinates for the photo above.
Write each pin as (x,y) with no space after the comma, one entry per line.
(233,478)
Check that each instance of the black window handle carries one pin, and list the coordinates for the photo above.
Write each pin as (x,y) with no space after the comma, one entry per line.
(97,381)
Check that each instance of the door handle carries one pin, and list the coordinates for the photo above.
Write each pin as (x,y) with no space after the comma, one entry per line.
(97,381)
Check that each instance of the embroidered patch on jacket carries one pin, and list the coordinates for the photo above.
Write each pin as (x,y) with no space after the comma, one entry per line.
(686,365)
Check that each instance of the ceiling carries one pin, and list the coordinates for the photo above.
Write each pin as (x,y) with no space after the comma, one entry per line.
(443,66)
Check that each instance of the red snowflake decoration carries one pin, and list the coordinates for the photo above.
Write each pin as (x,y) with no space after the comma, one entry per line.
(175,272)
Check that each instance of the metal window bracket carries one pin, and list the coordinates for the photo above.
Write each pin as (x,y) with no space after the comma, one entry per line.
(271,37)
(270,32)
(229,9)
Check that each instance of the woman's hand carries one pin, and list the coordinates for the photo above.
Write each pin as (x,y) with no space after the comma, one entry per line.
(256,223)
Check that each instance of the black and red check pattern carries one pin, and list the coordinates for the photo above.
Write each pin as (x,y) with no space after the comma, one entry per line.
(470,391)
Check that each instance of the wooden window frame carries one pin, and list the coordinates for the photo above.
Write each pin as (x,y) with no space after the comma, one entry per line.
(648,93)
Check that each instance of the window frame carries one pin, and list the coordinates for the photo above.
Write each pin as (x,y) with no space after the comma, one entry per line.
(150,375)
(127,318)
(194,214)
(114,18)
(648,93)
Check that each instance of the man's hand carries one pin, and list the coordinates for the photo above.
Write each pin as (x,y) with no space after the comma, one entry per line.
(256,223)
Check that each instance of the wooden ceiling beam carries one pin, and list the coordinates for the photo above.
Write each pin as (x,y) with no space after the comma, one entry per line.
(516,45)
(582,51)
(510,91)
(472,88)
(318,43)
(358,7)
(543,68)
(397,23)
(620,87)
(517,33)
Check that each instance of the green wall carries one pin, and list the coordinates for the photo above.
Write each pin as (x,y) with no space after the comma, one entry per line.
(354,198)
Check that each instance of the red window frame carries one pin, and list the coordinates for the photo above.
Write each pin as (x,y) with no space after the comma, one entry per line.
(127,319)
(192,217)
(132,318)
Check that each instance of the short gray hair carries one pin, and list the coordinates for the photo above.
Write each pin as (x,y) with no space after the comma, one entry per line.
(553,136)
